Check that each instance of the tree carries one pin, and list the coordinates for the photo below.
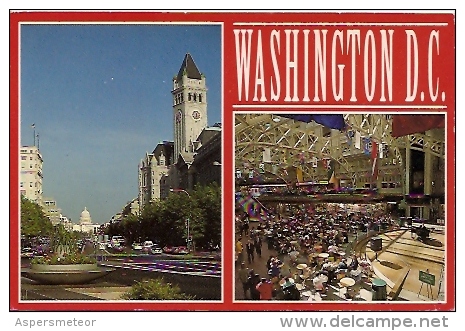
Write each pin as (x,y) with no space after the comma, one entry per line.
(165,221)
(207,229)
(33,220)
(155,289)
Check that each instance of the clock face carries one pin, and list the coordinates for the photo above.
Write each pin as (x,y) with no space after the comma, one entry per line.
(178,116)
(196,115)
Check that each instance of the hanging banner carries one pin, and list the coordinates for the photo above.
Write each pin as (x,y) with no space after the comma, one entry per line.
(267,154)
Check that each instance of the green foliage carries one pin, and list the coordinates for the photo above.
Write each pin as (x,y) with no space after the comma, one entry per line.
(155,289)
(165,220)
(33,220)
(67,258)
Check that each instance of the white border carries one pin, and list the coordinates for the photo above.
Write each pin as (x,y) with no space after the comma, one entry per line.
(161,304)
(349,303)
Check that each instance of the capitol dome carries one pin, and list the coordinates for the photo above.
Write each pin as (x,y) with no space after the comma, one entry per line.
(85,216)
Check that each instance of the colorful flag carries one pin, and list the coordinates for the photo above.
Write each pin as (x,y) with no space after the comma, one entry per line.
(350,135)
(251,206)
(330,121)
(403,125)
(366,145)
(358,138)
(315,162)
(300,176)
(267,154)
(374,160)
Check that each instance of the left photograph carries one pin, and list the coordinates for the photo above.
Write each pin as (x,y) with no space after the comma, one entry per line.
(120,162)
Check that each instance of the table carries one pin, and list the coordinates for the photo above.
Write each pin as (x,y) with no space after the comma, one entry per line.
(301,266)
(300,287)
(347,282)
(322,278)
(307,293)
(284,284)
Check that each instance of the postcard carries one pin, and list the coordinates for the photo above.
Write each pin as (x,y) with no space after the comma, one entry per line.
(232,161)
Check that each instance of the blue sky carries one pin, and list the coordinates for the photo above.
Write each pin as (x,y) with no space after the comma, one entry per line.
(100,98)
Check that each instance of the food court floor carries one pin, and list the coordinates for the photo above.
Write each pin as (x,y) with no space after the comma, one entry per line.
(402,257)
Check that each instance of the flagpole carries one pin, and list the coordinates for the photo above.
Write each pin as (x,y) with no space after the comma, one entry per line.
(34,136)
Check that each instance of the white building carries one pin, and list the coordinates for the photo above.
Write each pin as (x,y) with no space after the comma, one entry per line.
(66,222)
(85,223)
(51,210)
(31,174)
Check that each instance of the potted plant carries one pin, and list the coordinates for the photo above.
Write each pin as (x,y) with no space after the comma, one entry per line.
(65,253)
(66,264)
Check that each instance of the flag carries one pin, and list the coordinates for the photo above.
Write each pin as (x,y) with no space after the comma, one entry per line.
(381,151)
(315,162)
(366,145)
(332,174)
(350,135)
(300,176)
(251,206)
(274,169)
(403,125)
(267,154)
(330,121)
(325,163)
(358,137)
(374,160)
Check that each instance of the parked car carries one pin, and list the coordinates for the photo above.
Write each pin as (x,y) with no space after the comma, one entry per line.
(118,239)
(27,252)
(181,250)
(168,249)
(156,250)
(118,248)
(137,246)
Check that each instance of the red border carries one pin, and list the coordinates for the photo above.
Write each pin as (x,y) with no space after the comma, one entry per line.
(227,19)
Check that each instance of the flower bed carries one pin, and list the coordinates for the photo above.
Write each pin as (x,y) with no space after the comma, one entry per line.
(64,259)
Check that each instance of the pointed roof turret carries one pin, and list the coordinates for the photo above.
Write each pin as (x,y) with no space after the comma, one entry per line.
(189,68)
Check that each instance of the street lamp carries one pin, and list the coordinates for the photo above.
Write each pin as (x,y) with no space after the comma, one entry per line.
(188,219)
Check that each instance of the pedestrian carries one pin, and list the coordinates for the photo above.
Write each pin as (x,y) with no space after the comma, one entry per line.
(258,246)
(250,251)
(269,261)
(239,250)
(254,280)
(243,277)
(246,225)
(265,288)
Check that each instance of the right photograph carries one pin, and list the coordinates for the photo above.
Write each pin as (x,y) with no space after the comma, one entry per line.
(340,207)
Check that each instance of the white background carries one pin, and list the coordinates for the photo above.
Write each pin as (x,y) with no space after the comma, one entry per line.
(216,320)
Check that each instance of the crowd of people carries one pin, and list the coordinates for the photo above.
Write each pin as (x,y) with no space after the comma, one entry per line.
(298,234)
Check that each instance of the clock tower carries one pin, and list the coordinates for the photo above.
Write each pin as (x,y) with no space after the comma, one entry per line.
(189,107)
